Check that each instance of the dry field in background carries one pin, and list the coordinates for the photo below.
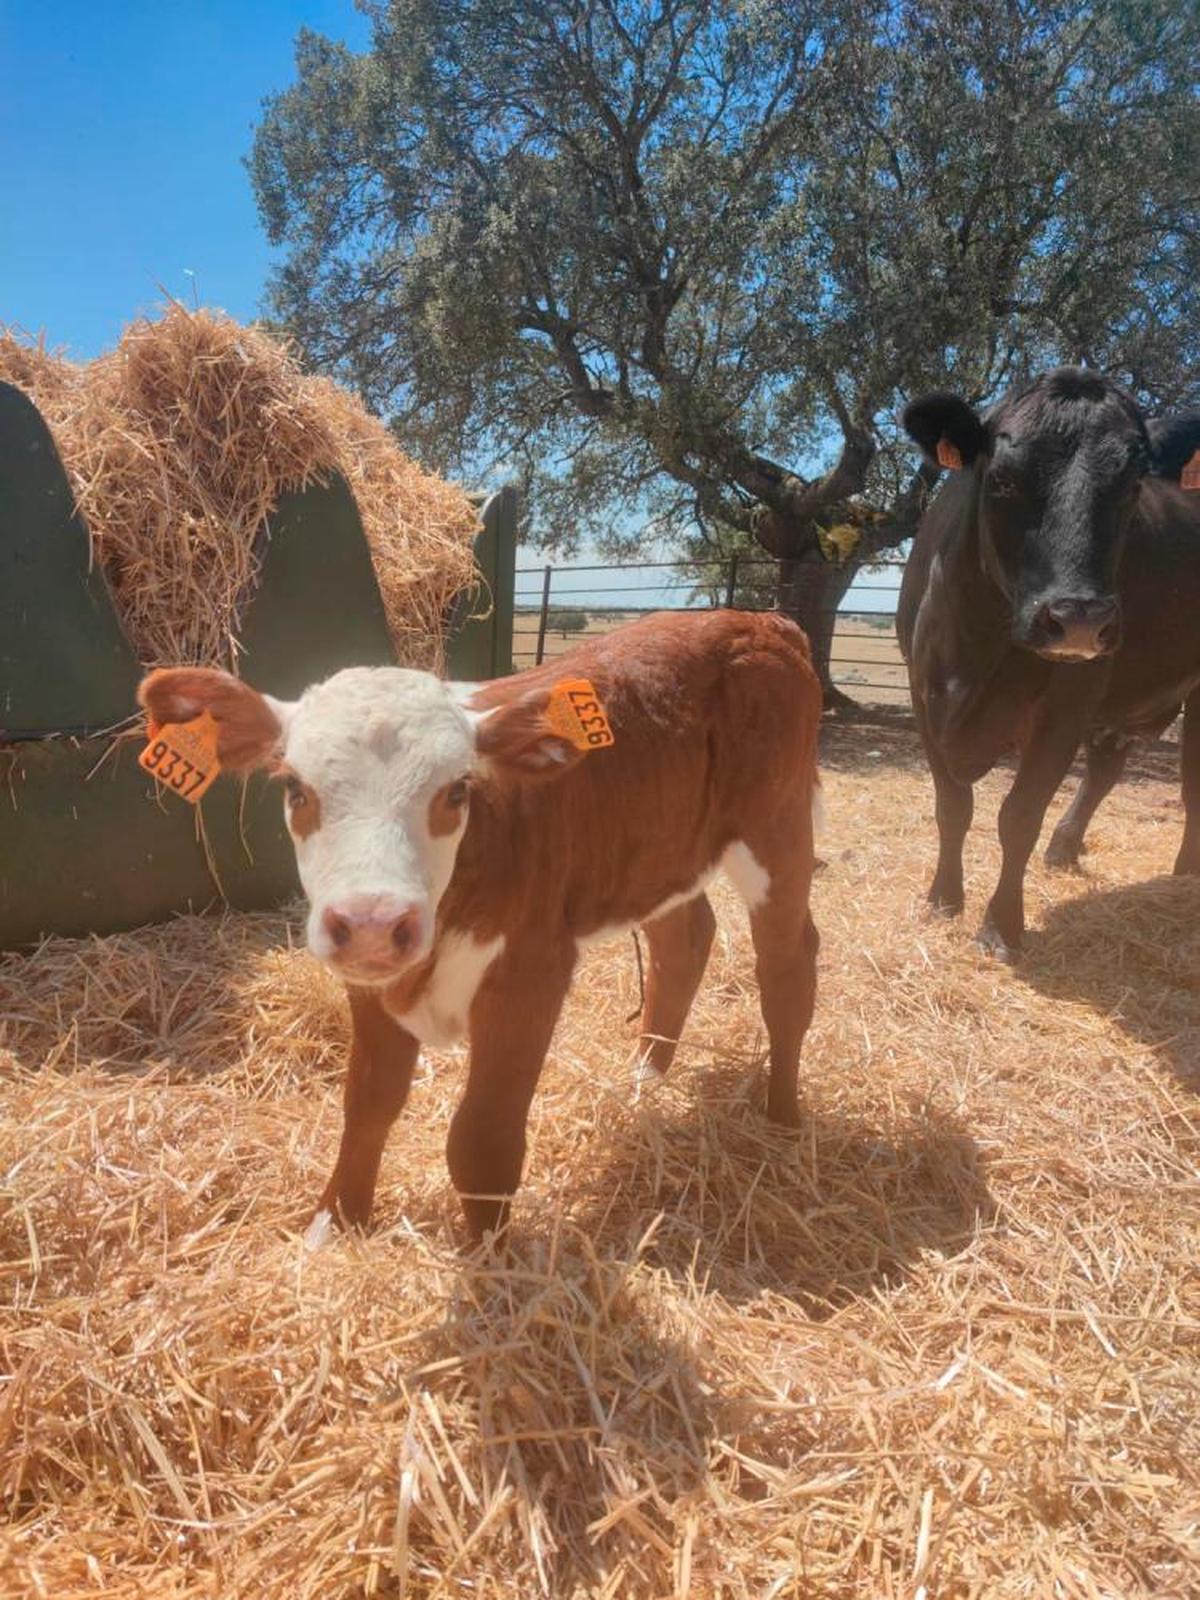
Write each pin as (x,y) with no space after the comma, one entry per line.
(944,1342)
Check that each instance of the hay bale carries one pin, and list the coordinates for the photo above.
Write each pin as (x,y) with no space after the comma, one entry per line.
(46,376)
(179,444)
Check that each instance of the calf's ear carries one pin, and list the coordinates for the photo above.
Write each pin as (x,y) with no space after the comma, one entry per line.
(518,739)
(1174,442)
(949,431)
(249,724)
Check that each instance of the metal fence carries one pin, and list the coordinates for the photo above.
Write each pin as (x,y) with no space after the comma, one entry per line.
(555,607)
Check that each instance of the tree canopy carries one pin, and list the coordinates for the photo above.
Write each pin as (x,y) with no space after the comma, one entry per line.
(693,255)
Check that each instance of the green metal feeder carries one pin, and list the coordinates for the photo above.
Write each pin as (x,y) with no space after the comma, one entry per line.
(88,844)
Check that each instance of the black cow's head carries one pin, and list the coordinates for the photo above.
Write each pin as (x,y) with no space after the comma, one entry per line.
(1058,467)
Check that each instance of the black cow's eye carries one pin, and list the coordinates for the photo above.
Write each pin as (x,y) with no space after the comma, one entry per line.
(1005,485)
(456,794)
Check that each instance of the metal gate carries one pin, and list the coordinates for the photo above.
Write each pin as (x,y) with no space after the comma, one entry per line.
(555,607)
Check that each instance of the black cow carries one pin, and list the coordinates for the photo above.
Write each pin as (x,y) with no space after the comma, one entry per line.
(1052,595)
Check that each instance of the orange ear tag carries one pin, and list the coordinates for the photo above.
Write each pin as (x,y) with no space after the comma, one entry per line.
(1189,478)
(575,713)
(949,455)
(183,755)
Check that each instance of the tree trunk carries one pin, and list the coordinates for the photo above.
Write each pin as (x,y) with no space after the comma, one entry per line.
(810,591)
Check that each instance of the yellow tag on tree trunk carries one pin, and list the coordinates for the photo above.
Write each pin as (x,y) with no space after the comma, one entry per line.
(183,755)
(576,714)
(1189,478)
(949,455)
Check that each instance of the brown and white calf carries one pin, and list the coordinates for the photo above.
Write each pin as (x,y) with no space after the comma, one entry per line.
(458,852)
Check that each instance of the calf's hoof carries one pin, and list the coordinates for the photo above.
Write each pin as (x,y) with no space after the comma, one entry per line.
(783,1111)
(487,1224)
(1186,866)
(320,1231)
(993,941)
(336,1213)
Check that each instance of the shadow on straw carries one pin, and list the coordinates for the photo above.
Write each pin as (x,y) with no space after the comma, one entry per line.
(1132,953)
(886,737)
(835,1211)
(590,1415)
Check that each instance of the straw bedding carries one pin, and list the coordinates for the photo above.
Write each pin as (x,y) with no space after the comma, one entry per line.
(944,1342)
(178,445)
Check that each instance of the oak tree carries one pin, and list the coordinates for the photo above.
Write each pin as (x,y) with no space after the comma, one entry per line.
(689,257)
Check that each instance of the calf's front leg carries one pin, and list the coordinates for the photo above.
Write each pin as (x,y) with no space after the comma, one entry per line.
(512,1022)
(382,1058)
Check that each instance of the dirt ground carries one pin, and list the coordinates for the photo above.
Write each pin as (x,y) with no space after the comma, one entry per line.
(944,1342)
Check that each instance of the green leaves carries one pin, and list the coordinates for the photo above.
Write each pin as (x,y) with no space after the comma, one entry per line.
(678,260)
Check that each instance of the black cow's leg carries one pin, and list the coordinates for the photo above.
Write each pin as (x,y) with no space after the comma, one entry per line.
(1188,859)
(1045,762)
(954,803)
(1107,754)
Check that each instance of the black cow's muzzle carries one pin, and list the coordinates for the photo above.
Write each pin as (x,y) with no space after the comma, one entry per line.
(1076,629)
(1069,628)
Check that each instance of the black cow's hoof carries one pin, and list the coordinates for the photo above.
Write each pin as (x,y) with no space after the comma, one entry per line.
(1062,855)
(990,939)
(946,905)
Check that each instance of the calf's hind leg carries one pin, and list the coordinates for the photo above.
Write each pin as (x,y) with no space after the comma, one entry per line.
(785,950)
(679,943)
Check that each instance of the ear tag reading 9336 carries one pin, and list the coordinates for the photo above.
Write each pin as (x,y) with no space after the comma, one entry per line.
(949,455)
(1189,478)
(575,713)
(183,755)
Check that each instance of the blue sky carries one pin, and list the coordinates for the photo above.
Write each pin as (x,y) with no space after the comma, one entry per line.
(122,132)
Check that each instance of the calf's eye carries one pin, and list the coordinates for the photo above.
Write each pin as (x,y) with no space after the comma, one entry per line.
(295,792)
(456,793)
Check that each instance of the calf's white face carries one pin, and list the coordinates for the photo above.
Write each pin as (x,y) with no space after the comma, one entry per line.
(377,765)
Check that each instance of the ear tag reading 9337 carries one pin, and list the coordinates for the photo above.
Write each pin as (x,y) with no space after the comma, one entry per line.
(183,755)
(575,713)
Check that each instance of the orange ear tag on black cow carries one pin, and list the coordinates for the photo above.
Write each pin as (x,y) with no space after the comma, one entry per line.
(183,755)
(575,714)
(949,455)
(1189,478)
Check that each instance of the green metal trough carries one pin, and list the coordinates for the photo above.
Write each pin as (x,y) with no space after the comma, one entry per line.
(87,842)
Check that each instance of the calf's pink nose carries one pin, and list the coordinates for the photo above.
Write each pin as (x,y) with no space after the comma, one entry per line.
(371,927)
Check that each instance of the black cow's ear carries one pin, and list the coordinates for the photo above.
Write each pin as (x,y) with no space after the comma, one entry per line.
(1173,443)
(949,431)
